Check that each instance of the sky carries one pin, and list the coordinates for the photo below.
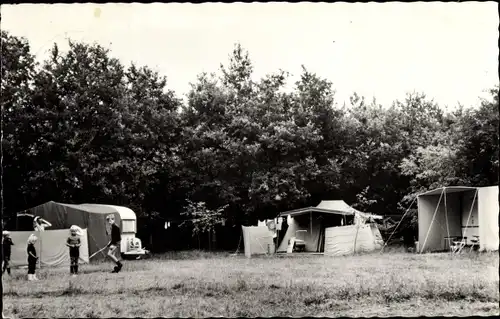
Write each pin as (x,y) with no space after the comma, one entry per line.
(449,51)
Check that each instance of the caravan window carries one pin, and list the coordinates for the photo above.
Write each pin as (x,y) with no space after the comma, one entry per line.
(128,226)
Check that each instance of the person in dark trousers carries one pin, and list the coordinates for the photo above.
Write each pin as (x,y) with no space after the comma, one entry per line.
(73,242)
(114,243)
(409,239)
(6,251)
(32,257)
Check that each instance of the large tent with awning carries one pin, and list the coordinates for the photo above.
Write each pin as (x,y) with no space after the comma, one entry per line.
(89,217)
(325,228)
(458,212)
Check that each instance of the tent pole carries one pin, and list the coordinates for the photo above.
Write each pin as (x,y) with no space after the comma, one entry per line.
(356,237)
(446,215)
(40,258)
(311,224)
(432,222)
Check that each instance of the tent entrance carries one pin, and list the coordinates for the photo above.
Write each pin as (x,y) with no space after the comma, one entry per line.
(447,217)
(308,230)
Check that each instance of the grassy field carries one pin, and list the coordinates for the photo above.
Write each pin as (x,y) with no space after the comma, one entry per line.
(210,285)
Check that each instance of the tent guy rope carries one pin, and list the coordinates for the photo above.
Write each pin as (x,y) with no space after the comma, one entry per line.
(98,251)
(399,223)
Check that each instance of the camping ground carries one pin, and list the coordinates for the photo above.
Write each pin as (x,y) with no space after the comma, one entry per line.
(196,284)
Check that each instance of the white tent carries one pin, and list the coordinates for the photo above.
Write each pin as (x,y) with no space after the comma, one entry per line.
(449,212)
(258,240)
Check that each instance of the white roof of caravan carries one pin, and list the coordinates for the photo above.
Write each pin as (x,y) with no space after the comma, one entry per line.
(447,190)
(125,212)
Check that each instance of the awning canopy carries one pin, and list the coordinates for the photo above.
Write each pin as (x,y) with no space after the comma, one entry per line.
(448,190)
(302,211)
(338,207)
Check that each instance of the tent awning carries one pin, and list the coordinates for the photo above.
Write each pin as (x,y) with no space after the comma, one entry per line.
(302,211)
(447,190)
(338,207)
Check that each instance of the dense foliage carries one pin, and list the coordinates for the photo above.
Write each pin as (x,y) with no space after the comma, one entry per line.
(81,127)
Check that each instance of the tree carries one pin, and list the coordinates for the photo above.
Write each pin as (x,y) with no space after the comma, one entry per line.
(17,71)
(203,219)
(477,141)
(99,133)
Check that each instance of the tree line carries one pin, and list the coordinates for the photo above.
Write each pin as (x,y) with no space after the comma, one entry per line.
(81,127)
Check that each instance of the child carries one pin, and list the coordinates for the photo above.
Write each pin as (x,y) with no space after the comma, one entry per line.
(39,224)
(6,251)
(114,243)
(74,243)
(32,258)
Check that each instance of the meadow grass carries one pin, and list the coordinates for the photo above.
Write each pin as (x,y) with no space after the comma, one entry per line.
(197,284)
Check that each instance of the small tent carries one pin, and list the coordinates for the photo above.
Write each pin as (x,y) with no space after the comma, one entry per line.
(325,228)
(86,216)
(258,240)
(458,211)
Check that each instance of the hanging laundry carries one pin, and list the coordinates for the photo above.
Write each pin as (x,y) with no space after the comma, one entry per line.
(279,223)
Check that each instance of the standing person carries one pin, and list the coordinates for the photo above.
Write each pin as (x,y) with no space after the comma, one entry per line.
(32,257)
(6,251)
(409,239)
(39,224)
(114,243)
(73,242)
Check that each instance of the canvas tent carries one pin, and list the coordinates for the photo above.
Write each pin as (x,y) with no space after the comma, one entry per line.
(86,216)
(258,240)
(458,212)
(326,228)
(51,248)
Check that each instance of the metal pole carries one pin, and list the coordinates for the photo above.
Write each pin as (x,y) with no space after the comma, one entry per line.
(311,225)
(356,237)
(446,216)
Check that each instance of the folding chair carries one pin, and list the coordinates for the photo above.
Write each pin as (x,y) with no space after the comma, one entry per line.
(457,245)
(475,242)
(300,243)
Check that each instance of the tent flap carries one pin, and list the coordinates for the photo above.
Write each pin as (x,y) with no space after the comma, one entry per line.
(346,240)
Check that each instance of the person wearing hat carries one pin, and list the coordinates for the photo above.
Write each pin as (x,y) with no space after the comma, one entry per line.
(114,243)
(74,242)
(6,251)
